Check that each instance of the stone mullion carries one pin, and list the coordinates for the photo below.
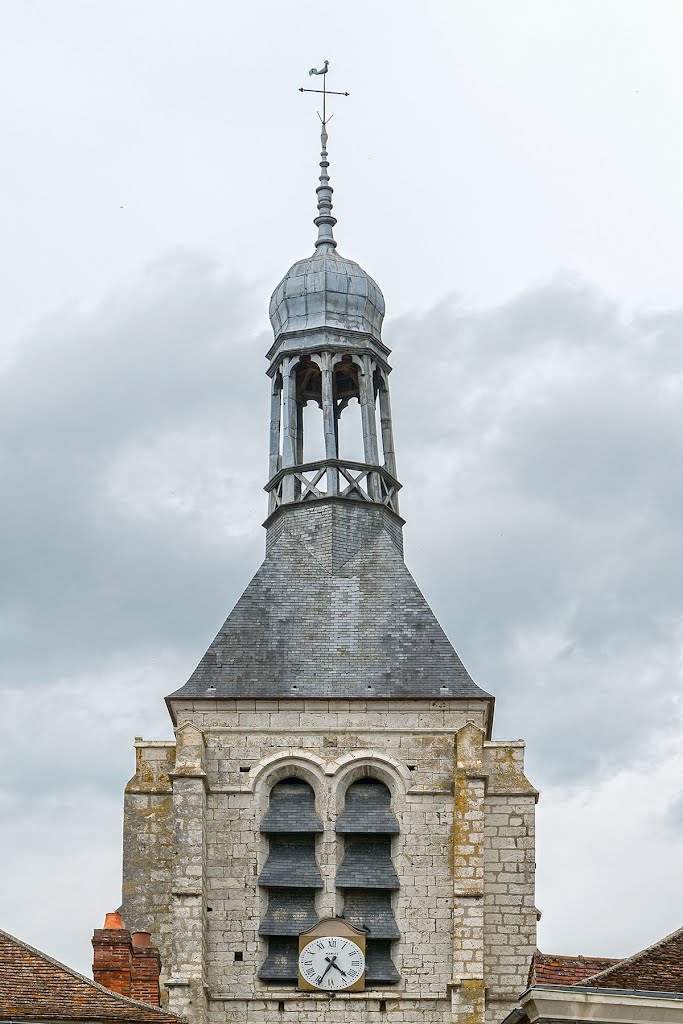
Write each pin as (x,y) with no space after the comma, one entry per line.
(468,877)
(299,432)
(275,412)
(387,428)
(288,428)
(369,421)
(329,422)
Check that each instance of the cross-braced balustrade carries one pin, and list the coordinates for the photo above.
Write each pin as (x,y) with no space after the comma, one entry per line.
(335,382)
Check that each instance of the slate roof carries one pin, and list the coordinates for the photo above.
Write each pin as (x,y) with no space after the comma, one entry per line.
(332,612)
(367,864)
(34,987)
(367,809)
(291,809)
(282,961)
(378,963)
(547,969)
(366,908)
(291,863)
(658,968)
(289,913)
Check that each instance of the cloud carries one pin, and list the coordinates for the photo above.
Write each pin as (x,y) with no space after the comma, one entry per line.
(544,442)
(538,441)
(133,449)
(607,855)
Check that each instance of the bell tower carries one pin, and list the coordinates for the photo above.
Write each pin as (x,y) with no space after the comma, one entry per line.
(327,318)
(332,757)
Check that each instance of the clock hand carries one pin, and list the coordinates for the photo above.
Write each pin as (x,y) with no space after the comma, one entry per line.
(333,964)
(330,963)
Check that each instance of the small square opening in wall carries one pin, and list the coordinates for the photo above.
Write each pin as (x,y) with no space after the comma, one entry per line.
(382,1006)
(281,1006)
(412,767)
(245,768)
(239,956)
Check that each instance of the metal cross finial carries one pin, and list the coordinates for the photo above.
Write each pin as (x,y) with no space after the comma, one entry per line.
(325,92)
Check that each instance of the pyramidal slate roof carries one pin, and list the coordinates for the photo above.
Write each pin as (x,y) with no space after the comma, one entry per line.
(333,612)
(34,987)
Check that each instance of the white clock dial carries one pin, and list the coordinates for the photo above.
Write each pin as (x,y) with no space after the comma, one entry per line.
(331,962)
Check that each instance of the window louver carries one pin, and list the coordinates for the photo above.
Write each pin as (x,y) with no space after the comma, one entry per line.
(367,875)
(291,875)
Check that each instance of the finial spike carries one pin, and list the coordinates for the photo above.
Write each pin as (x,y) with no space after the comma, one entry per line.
(324,221)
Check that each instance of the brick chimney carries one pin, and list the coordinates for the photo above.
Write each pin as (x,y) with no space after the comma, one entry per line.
(128,965)
(146,967)
(112,955)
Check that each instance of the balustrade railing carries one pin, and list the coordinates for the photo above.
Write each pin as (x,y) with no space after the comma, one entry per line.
(328,478)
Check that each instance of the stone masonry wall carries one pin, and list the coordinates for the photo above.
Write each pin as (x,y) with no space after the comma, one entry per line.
(456,936)
(510,913)
(148,844)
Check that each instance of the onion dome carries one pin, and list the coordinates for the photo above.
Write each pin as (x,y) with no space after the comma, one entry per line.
(326,290)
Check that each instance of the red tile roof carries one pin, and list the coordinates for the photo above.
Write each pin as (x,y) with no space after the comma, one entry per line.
(35,987)
(547,969)
(659,968)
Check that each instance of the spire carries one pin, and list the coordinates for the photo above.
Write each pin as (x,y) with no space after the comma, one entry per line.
(324,221)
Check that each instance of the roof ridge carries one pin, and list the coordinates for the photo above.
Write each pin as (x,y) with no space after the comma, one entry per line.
(576,956)
(300,545)
(631,959)
(139,1003)
(374,537)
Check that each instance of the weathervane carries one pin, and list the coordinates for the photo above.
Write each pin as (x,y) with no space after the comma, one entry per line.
(325,92)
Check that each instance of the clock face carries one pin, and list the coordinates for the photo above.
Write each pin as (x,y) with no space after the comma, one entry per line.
(331,962)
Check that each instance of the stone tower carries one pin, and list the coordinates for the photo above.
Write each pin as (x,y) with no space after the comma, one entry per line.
(332,755)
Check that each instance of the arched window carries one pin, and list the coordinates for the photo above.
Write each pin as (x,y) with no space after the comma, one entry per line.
(310,438)
(347,411)
(290,875)
(367,877)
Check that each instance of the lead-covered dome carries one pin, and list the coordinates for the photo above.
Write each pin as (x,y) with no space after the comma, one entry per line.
(327,290)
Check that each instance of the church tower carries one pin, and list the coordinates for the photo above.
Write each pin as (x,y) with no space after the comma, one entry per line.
(332,756)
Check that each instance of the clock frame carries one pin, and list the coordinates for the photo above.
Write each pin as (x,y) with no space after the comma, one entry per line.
(331,926)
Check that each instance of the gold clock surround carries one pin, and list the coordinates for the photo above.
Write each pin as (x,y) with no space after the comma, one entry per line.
(331,926)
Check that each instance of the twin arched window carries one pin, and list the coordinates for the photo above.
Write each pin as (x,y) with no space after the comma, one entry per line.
(365,881)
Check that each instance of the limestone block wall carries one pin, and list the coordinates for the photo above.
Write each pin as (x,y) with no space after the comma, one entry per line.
(148,844)
(510,913)
(448,787)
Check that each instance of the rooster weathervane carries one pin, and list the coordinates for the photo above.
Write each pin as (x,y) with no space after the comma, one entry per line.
(325,92)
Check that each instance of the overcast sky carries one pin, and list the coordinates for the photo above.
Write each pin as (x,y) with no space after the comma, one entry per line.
(510,175)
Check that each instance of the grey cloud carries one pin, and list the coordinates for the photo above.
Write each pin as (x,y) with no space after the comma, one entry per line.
(550,466)
(160,383)
(537,441)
